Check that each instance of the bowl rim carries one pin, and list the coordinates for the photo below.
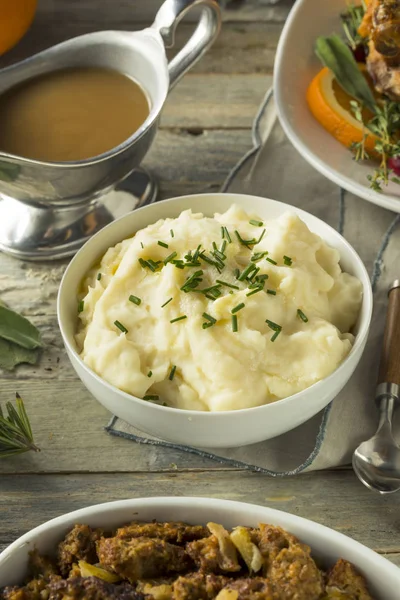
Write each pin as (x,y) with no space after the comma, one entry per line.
(358,189)
(273,515)
(359,338)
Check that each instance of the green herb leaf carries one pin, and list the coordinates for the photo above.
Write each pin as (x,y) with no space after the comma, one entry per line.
(120,326)
(337,56)
(12,355)
(15,328)
(135,300)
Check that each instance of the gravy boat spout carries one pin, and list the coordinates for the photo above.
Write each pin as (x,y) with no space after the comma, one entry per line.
(53,199)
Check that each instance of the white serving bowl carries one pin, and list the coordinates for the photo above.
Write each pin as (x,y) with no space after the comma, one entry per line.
(327,545)
(295,66)
(196,428)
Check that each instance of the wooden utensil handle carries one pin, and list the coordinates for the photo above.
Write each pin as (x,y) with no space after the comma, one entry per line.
(389,370)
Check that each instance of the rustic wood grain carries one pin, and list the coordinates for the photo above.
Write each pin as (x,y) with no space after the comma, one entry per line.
(27,501)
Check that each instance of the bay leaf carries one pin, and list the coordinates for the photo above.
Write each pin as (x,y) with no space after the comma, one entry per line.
(12,355)
(16,328)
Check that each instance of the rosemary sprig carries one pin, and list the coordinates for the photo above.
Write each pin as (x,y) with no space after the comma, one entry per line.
(15,430)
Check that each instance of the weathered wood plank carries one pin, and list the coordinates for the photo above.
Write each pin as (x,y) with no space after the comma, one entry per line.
(222,101)
(68,425)
(333,499)
(240,47)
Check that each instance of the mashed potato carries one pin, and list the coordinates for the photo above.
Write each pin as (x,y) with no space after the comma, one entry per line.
(218,313)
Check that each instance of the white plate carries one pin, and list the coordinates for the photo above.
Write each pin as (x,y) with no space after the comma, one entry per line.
(327,545)
(295,66)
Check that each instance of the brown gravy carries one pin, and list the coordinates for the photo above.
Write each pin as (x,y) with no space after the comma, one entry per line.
(71,114)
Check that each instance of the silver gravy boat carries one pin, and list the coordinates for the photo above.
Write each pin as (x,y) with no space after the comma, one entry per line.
(49,209)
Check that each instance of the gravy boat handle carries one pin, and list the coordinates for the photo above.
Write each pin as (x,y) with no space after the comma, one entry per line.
(166,21)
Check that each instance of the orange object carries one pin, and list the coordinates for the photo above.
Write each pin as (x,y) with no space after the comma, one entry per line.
(330,105)
(16,17)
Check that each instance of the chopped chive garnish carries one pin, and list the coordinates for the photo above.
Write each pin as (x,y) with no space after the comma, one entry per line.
(210,296)
(150,373)
(236,273)
(287,260)
(81,306)
(141,243)
(172,232)
(223,246)
(272,292)
(172,373)
(302,316)
(98,276)
(197,252)
(178,264)
(178,319)
(211,288)
(230,285)
(261,236)
(234,323)
(151,397)
(258,256)
(219,255)
(246,243)
(148,264)
(165,303)
(273,325)
(222,232)
(251,267)
(134,299)
(209,318)
(120,327)
(255,291)
(273,262)
(163,244)
(214,245)
(170,257)
(207,259)
(256,223)
(262,277)
(237,308)
(192,281)
(253,274)
(276,328)
(226,235)
(206,325)
(192,264)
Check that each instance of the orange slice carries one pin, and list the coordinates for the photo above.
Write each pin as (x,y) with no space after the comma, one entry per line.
(330,105)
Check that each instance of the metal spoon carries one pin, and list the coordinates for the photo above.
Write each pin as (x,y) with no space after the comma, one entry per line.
(376,462)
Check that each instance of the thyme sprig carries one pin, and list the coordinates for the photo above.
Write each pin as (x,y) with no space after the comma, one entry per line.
(16,434)
(351,21)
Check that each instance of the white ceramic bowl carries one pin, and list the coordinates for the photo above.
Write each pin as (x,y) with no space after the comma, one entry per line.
(327,545)
(197,428)
(295,66)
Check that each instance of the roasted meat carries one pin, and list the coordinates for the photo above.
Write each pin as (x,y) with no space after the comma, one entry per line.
(141,558)
(42,566)
(79,544)
(385,77)
(381,27)
(345,578)
(92,588)
(174,533)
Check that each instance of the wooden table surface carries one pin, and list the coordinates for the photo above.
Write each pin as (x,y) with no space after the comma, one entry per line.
(204,131)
